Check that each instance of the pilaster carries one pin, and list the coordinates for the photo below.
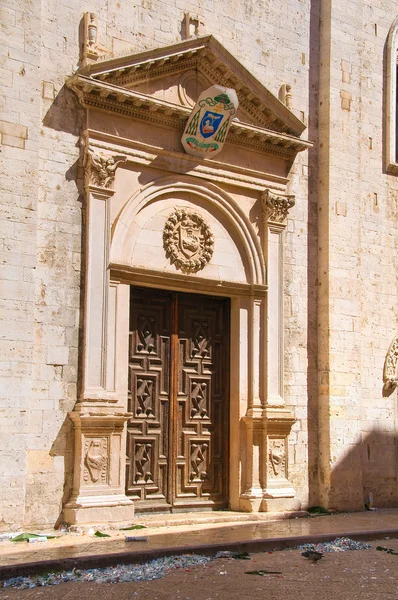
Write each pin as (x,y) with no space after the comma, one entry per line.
(99,417)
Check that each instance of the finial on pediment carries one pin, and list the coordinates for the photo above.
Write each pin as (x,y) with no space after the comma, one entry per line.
(285,95)
(101,168)
(193,26)
(276,207)
(91,50)
(90,36)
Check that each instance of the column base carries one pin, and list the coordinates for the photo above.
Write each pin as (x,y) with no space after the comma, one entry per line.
(108,509)
(251,501)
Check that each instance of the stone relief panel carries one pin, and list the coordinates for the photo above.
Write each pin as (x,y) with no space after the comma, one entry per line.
(277,458)
(96,461)
(188,240)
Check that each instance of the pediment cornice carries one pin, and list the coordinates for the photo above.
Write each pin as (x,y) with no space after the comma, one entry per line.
(109,85)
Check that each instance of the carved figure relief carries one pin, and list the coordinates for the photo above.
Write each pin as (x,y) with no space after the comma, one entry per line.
(142,460)
(145,334)
(144,397)
(275,207)
(390,368)
(102,168)
(200,341)
(198,460)
(277,458)
(187,240)
(198,399)
(96,460)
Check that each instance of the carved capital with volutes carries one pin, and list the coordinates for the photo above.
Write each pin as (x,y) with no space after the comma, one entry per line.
(101,168)
(276,207)
(390,378)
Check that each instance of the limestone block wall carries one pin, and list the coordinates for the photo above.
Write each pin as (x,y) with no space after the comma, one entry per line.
(357,260)
(43,218)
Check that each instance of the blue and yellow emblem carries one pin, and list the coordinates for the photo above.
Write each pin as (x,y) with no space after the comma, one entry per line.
(209,122)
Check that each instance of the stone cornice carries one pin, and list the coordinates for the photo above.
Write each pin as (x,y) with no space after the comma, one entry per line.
(98,94)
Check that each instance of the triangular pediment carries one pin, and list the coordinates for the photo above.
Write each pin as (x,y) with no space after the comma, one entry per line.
(161,86)
(177,74)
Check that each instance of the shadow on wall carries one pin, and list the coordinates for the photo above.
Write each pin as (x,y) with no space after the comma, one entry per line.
(66,116)
(64,446)
(368,471)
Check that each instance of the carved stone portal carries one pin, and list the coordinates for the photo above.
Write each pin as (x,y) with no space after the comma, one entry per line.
(187,240)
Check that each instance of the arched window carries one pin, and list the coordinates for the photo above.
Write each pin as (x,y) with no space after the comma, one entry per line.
(392,100)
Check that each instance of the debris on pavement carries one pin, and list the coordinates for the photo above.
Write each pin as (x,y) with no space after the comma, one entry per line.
(313,555)
(388,550)
(338,545)
(136,538)
(236,555)
(263,572)
(133,527)
(155,569)
(100,534)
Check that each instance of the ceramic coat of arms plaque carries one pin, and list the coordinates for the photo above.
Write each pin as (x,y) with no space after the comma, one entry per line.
(187,240)
(209,122)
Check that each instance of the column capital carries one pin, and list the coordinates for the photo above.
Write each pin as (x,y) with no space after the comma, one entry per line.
(275,207)
(100,170)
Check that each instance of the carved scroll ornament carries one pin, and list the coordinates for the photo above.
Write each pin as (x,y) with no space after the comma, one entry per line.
(390,368)
(187,240)
(102,168)
(276,207)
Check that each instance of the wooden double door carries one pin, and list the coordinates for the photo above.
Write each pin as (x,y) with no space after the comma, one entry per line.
(177,438)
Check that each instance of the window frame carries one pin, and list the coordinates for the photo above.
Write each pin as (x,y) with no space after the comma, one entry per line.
(391,116)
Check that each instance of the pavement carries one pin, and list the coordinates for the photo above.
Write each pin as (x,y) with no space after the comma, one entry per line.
(203,533)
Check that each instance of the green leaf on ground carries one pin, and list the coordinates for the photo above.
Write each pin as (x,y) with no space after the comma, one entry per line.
(23,537)
(100,534)
(133,527)
(318,510)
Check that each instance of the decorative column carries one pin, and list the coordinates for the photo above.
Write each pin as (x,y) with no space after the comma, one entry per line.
(100,415)
(278,492)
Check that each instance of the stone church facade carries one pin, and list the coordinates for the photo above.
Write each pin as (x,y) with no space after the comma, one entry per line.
(184,331)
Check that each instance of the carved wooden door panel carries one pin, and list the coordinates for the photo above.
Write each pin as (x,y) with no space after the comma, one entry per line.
(177,439)
(149,399)
(202,402)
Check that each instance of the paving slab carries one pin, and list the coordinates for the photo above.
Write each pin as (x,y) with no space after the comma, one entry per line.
(85,551)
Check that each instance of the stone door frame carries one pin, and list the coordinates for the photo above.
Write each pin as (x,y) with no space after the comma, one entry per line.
(259,421)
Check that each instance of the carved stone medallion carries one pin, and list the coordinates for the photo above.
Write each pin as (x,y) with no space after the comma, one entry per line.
(187,240)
